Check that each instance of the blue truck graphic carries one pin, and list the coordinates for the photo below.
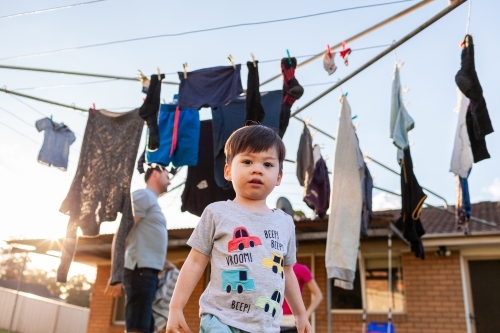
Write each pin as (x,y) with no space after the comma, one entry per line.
(237,279)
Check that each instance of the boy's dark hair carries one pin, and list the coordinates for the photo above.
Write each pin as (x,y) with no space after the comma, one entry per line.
(254,139)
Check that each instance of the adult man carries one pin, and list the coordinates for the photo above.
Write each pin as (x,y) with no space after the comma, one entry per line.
(145,253)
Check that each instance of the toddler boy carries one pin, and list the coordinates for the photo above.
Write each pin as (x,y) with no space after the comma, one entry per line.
(251,248)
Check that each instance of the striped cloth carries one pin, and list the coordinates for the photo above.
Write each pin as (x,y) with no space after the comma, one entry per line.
(161,304)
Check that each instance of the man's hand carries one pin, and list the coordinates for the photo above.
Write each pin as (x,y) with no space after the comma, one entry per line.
(113,291)
(167,266)
(176,322)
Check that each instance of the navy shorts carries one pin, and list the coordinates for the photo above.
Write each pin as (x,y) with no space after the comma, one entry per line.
(140,288)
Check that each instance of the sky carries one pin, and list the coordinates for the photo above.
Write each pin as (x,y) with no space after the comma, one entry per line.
(31,193)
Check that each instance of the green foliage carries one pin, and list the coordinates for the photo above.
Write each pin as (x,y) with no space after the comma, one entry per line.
(76,291)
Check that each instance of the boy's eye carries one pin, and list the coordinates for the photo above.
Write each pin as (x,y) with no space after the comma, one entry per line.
(247,162)
(267,164)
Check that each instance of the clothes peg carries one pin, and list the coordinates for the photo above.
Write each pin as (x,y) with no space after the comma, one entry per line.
(93,108)
(164,102)
(344,53)
(230,57)
(289,58)
(253,60)
(185,66)
(307,121)
(159,73)
(50,117)
(395,53)
(329,51)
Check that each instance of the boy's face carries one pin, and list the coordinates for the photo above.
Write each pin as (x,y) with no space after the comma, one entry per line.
(254,175)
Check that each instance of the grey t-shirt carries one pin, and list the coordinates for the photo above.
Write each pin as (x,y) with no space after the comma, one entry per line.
(247,253)
(57,139)
(147,241)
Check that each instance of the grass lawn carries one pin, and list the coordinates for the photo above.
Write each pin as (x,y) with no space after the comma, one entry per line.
(4,331)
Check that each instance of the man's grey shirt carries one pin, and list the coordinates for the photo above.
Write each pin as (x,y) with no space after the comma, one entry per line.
(147,241)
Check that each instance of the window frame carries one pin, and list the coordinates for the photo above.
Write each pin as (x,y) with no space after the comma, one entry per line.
(362,257)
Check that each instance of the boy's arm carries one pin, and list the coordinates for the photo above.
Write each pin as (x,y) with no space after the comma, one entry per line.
(190,274)
(294,300)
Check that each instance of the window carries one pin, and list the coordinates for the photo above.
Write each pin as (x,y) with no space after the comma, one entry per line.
(372,292)
(343,299)
(119,311)
(377,285)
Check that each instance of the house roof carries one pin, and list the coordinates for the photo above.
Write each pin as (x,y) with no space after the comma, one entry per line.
(436,221)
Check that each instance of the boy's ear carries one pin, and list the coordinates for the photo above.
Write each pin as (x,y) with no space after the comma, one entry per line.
(227,173)
(280,175)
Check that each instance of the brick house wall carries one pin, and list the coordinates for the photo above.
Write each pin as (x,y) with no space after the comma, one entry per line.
(101,307)
(433,293)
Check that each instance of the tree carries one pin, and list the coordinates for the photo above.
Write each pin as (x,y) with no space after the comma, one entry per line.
(76,291)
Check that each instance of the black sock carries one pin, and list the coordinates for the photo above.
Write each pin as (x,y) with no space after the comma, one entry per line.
(253,108)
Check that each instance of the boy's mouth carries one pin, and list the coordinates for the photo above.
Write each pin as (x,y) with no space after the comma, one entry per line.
(256,181)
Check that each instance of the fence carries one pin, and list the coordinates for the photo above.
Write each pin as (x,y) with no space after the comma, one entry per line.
(35,314)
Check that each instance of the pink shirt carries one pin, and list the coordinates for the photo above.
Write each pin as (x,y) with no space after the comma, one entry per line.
(303,275)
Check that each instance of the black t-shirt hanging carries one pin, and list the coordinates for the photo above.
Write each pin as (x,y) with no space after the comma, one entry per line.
(413,198)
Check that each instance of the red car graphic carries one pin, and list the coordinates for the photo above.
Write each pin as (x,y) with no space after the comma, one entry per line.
(242,240)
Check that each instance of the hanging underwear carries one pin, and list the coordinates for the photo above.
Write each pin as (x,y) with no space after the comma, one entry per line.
(209,87)
(179,135)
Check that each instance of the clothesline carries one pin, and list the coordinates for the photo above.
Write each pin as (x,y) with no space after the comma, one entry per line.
(385,52)
(312,126)
(359,35)
(56,71)
(197,31)
(393,47)
(351,39)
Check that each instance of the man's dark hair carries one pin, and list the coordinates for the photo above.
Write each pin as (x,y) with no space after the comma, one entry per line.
(254,139)
(150,171)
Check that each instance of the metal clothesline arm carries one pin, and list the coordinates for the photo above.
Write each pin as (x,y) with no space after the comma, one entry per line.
(472,218)
(382,54)
(56,71)
(43,100)
(397,173)
(359,35)
(373,160)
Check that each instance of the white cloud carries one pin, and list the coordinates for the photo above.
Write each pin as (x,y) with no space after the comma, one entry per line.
(385,201)
(494,189)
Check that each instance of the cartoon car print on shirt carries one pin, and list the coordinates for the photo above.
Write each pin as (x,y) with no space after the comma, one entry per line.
(242,240)
(271,305)
(237,279)
(276,263)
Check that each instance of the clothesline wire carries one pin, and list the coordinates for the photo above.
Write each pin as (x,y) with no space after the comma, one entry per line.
(55,71)
(39,11)
(40,113)
(27,137)
(64,85)
(468,18)
(359,35)
(445,209)
(31,125)
(382,54)
(369,63)
(203,30)
(114,78)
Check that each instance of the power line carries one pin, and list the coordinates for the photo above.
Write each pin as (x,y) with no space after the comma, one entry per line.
(64,85)
(202,30)
(32,108)
(30,125)
(27,137)
(51,9)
